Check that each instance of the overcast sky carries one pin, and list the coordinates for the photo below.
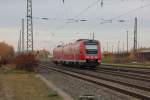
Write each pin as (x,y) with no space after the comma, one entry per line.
(62,26)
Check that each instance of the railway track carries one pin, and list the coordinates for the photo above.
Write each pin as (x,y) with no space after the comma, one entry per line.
(134,90)
(130,72)
(127,69)
(127,66)
(126,75)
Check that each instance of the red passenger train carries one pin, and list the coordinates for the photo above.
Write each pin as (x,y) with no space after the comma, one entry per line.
(83,52)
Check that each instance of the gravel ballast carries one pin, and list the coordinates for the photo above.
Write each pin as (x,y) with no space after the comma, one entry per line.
(76,87)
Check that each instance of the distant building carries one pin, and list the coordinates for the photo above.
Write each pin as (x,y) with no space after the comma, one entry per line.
(144,54)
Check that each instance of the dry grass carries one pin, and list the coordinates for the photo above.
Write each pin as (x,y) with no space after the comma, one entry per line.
(23,86)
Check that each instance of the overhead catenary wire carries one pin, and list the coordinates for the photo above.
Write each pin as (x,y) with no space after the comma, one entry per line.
(128,12)
(101,1)
(86,9)
(80,13)
(131,11)
(112,19)
(122,15)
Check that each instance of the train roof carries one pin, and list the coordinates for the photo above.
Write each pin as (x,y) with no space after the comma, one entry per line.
(59,46)
(86,40)
(82,40)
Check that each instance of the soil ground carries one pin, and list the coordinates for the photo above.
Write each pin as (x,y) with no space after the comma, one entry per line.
(20,85)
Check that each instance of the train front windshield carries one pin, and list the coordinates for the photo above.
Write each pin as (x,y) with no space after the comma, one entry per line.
(91,49)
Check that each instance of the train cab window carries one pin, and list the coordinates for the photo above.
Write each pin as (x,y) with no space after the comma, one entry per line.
(89,47)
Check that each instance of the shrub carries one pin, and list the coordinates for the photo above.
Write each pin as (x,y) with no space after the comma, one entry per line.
(5,61)
(6,53)
(27,62)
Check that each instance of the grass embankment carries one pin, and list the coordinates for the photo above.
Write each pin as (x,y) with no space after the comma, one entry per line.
(20,85)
